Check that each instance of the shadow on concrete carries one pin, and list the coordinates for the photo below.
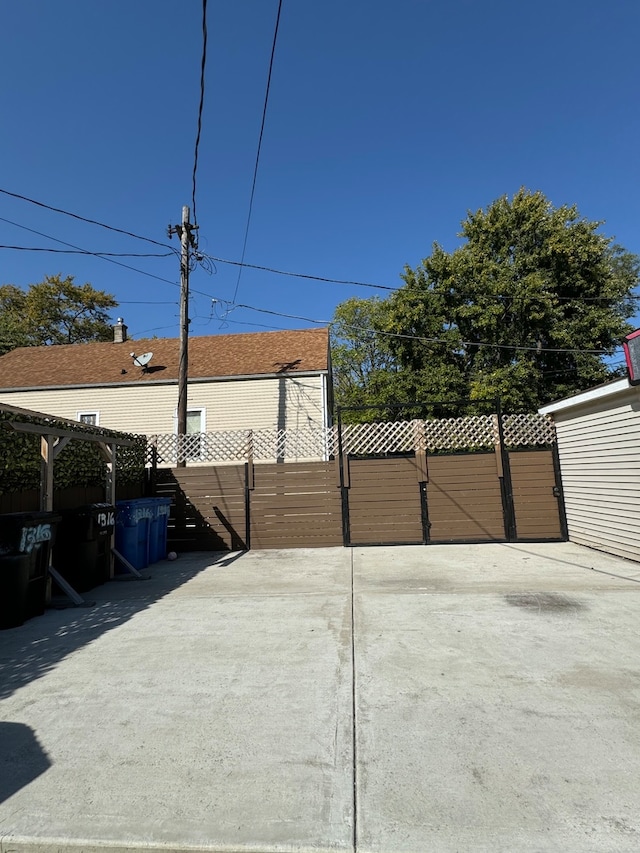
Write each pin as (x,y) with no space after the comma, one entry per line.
(22,759)
(35,648)
(545,556)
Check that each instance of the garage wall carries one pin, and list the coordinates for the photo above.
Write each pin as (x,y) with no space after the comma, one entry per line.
(599,448)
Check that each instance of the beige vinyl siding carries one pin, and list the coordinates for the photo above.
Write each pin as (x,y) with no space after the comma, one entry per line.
(285,402)
(599,447)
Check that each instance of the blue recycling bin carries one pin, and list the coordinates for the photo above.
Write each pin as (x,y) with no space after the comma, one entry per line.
(158,528)
(133,530)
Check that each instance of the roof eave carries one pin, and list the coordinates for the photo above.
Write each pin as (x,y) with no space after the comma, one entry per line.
(602,392)
(142,384)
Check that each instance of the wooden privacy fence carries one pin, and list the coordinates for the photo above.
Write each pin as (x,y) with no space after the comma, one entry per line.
(418,496)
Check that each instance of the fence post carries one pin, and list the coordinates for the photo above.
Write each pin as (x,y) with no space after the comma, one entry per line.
(420,450)
(504,474)
(343,470)
(250,450)
(152,472)
(249,485)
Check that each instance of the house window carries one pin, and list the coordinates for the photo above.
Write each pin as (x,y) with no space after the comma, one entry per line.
(196,425)
(195,421)
(91,418)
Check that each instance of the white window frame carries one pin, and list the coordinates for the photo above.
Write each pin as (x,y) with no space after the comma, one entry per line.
(203,427)
(203,417)
(93,414)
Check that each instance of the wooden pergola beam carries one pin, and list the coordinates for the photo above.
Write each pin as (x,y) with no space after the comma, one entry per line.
(79,435)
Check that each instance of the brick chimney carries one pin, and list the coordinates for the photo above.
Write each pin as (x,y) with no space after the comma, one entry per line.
(119,332)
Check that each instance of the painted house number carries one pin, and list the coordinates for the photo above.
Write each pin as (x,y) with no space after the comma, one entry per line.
(32,536)
(106,519)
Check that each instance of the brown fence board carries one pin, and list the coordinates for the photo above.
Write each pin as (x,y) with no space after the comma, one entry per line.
(391,489)
(295,505)
(384,501)
(208,512)
(283,503)
(300,504)
(464,498)
(537,509)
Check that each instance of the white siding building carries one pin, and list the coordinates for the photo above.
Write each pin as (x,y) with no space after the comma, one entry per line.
(265,380)
(599,446)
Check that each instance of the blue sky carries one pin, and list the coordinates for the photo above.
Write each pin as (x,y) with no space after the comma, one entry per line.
(387,121)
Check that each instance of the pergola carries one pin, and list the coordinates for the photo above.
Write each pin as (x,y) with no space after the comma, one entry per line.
(52,440)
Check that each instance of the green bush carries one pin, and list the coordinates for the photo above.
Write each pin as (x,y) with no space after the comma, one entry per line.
(80,463)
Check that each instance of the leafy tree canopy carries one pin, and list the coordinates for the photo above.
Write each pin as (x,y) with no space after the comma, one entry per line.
(55,311)
(365,371)
(496,317)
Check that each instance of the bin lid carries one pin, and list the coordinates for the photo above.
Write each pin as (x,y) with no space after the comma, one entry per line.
(21,531)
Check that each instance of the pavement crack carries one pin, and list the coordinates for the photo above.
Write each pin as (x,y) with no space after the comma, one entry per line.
(354,707)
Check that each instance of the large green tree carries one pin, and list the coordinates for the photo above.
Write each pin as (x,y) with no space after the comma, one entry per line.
(365,371)
(55,311)
(526,309)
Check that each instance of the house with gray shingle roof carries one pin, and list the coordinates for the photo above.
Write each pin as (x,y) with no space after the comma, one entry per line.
(258,380)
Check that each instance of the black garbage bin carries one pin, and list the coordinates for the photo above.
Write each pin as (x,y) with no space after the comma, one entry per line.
(82,553)
(26,539)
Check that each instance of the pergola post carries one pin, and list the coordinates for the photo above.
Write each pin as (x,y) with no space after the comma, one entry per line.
(109,453)
(46,487)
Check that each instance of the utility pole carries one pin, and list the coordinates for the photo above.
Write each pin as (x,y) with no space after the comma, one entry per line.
(187,241)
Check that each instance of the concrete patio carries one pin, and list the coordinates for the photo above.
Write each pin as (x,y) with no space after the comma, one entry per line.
(441,698)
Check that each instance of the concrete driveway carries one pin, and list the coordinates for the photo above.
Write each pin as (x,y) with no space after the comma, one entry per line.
(447,698)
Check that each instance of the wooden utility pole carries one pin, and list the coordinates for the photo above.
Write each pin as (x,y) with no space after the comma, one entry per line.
(184,231)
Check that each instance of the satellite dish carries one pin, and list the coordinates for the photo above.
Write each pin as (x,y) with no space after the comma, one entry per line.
(142,360)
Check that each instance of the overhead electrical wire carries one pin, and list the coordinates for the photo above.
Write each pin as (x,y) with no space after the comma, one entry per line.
(86,219)
(85,251)
(257,163)
(241,263)
(375,331)
(534,348)
(211,258)
(301,275)
(203,64)
(354,283)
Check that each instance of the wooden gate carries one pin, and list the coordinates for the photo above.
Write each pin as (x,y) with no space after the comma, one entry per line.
(295,505)
(537,495)
(466,498)
(455,497)
(384,501)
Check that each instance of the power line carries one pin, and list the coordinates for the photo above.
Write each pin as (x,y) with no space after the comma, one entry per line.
(420,338)
(255,170)
(257,325)
(273,270)
(85,219)
(354,283)
(301,275)
(240,263)
(155,329)
(203,64)
(87,252)
(110,260)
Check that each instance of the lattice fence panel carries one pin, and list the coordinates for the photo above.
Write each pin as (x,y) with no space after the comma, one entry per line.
(447,434)
(387,437)
(292,445)
(528,430)
(470,433)
(228,446)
